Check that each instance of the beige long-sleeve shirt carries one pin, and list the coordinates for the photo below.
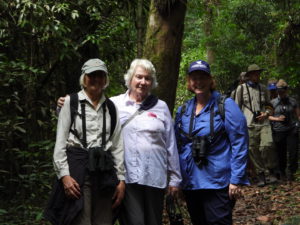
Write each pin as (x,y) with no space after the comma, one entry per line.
(94,118)
(255,100)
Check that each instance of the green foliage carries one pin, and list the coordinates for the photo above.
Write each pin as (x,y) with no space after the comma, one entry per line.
(192,49)
(242,33)
(43,45)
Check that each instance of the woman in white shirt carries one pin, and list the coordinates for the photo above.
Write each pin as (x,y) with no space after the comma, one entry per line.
(151,156)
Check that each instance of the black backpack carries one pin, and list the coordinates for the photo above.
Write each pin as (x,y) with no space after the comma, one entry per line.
(74,111)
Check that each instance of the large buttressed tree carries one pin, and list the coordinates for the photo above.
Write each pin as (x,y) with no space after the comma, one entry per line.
(163,44)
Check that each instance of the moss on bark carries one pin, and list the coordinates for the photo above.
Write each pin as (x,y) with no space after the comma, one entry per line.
(163,47)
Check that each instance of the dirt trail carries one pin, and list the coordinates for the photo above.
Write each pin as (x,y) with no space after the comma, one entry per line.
(277,204)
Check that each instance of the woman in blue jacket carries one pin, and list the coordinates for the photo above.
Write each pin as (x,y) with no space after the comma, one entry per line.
(213,146)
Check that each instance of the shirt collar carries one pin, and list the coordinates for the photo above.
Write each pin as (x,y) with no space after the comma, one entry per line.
(83,96)
(252,84)
(213,97)
(127,99)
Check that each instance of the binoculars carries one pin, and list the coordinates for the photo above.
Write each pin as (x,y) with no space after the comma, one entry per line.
(100,160)
(200,147)
(256,114)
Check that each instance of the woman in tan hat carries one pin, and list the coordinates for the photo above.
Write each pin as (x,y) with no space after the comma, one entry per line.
(88,156)
(285,126)
(150,150)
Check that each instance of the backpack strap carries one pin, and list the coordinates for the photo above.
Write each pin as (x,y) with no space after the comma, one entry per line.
(221,105)
(74,112)
(113,115)
(83,119)
(182,111)
(74,102)
(73,106)
(242,97)
(103,144)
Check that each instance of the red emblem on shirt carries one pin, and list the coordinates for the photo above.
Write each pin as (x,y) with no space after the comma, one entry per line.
(151,114)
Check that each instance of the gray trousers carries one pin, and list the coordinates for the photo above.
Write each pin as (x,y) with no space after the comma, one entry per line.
(96,208)
(142,205)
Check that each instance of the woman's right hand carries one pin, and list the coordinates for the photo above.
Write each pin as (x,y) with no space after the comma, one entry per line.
(71,187)
(61,101)
(119,194)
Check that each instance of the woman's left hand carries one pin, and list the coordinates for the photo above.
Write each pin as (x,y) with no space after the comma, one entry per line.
(234,191)
(119,194)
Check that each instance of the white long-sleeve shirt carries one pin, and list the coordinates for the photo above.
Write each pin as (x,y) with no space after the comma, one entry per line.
(149,144)
(94,119)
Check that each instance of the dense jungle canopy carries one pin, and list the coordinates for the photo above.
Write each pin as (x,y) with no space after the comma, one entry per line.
(43,44)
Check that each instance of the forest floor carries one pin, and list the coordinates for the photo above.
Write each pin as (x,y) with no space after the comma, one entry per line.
(270,205)
(276,204)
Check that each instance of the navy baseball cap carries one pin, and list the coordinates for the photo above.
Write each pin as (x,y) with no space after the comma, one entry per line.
(199,65)
(272,86)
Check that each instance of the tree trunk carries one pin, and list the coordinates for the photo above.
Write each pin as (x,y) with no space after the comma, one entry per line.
(208,27)
(163,45)
(140,21)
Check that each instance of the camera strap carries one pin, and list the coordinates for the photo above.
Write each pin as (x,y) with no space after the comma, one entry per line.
(103,144)
(250,100)
(211,121)
(137,112)
(83,119)
(192,121)
(148,103)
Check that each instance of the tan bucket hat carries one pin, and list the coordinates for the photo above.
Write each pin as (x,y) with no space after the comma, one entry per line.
(252,68)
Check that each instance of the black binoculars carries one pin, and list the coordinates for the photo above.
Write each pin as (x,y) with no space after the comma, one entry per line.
(200,147)
(100,160)
(256,114)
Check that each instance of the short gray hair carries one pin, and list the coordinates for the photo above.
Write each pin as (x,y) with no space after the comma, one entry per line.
(144,63)
(82,84)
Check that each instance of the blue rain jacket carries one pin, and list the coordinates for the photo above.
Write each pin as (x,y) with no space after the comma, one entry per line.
(227,154)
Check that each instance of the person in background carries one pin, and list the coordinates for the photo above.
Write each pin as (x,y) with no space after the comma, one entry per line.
(151,155)
(253,99)
(83,200)
(213,150)
(285,125)
(242,79)
(273,94)
(272,88)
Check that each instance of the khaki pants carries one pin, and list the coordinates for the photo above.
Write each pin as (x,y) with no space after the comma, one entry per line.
(261,149)
(96,208)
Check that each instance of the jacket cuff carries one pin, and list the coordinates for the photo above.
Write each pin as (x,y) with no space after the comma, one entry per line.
(238,181)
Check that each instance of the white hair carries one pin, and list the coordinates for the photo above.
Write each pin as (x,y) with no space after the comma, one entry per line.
(145,64)
(82,84)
